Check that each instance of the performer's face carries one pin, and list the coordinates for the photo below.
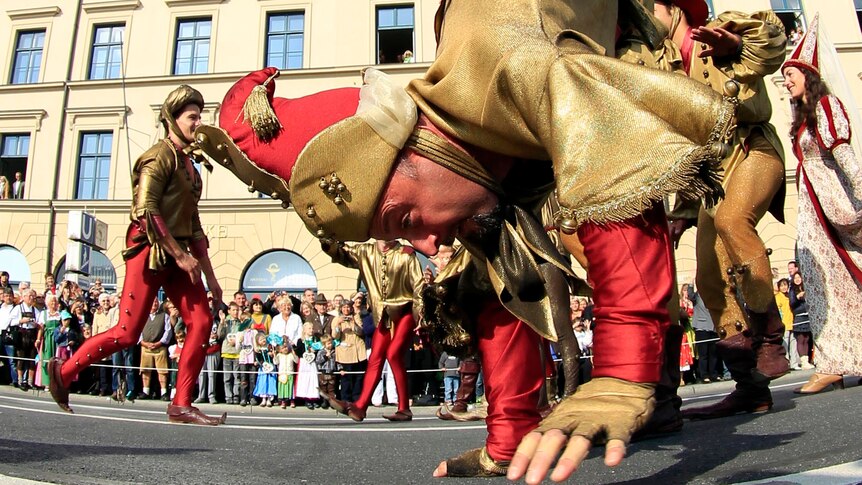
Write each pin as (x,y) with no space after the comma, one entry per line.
(429,205)
(794,81)
(188,120)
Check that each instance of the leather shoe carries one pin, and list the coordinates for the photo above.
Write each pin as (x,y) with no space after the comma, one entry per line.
(737,402)
(405,415)
(342,407)
(59,392)
(820,382)
(193,415)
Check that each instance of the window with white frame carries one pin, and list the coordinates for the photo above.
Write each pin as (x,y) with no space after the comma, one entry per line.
(27,58)
(94,165)
(13,160)
(284,39)
(192,51)
(394,33)
(106,57)
(858,5)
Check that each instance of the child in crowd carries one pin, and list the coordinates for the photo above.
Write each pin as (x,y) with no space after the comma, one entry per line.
(248,377)
(229,331)
(65,337)
(326,367)
(266,381)
(286,362)
(451,378)
(174,352)
(307,386)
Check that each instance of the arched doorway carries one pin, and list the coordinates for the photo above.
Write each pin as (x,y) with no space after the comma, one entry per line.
(101,268)
(15,264)
(278,270)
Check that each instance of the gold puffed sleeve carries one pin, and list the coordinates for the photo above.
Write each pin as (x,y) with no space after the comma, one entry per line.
(764,44)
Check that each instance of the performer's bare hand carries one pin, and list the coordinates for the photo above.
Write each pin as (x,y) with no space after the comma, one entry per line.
(721,42)
(190,265)
(676,228)
(604,408)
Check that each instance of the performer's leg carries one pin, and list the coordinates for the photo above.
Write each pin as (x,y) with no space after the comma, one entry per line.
(379,347)
(514,374)
(395,354)
(631,268)
(139,290)
(192,303)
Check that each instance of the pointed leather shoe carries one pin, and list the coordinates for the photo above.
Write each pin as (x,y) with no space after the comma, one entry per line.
(820,382)
(193,415)
(59,392)
(405,415)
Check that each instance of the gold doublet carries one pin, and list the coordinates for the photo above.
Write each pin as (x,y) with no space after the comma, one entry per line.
(162,186)
(530,80)
(393,278)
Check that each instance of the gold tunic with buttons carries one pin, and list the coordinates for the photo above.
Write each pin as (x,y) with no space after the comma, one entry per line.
(162,186)
(531,79)
(393,277)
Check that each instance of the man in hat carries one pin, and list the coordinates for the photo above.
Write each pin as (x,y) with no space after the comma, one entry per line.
(165,247)
(322,318)
(520,101)
(393,276)
(734,275)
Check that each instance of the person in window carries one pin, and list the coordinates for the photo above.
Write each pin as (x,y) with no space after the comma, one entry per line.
(407,57)
(165,248)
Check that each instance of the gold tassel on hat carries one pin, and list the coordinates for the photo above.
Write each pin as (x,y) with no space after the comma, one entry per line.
(259,112)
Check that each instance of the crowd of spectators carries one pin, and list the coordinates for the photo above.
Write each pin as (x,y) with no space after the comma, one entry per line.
(277,350)
(283,350)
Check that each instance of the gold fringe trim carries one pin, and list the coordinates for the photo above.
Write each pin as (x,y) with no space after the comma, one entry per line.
(259,112)
(698,175)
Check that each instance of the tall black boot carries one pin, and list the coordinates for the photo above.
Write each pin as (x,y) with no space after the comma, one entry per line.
(768,344)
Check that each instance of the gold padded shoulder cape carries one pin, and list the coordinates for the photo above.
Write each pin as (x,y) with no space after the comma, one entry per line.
(530,79)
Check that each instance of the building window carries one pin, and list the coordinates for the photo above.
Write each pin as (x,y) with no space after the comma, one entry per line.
(284,39)
(13,164)
(28,56)
(858,5)
(107,56)
(394,33)
(791,15)
(711,8)
(193,46)
(94,165)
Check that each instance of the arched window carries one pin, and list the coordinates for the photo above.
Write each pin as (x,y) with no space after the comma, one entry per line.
(278,269)
(101,268)
(13,262)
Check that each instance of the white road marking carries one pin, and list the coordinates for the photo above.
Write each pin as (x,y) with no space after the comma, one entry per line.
(339,429)
(844,474)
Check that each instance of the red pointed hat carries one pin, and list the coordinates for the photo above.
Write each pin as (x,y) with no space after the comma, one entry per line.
(805,55)
(275,146)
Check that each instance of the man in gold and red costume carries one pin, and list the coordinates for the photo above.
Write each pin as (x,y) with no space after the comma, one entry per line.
(393,277)
(734,276)
(522,100)
(165,248)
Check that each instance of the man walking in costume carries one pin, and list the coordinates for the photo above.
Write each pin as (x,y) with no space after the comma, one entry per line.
(520,101)
(393,276)
(165,248)
(734,276)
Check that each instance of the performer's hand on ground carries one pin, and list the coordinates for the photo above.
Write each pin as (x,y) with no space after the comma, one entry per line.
(721,42)
(602,409)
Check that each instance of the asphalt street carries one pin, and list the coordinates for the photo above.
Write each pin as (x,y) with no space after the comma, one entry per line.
(106,443)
